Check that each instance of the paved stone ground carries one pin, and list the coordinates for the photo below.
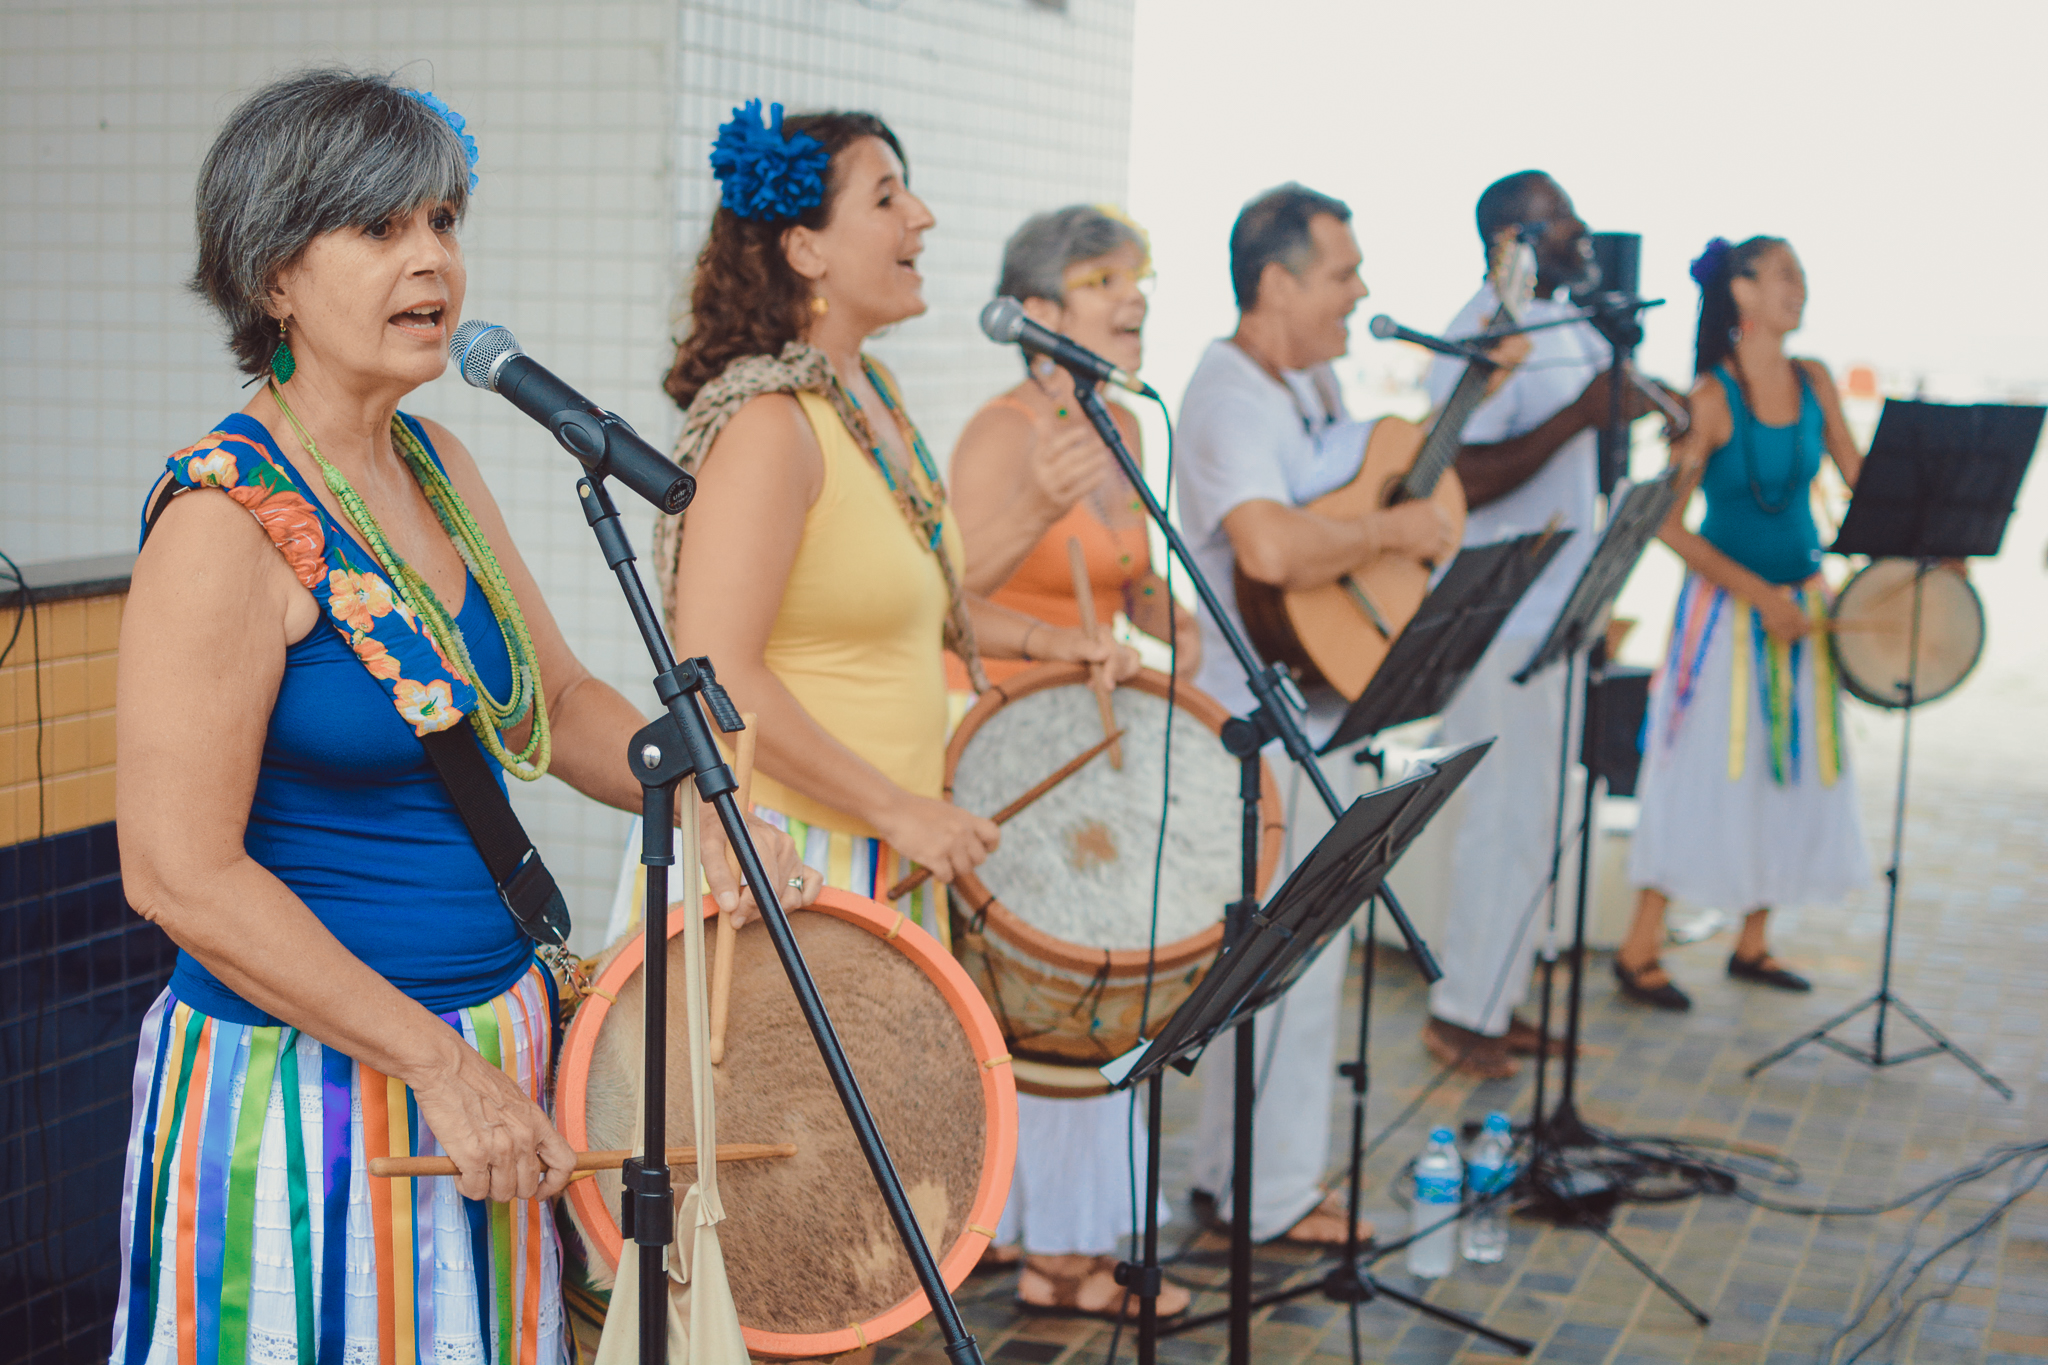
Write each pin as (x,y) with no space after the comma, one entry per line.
(1972,957)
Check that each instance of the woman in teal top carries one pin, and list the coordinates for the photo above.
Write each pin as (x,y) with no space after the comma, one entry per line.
(1745,799)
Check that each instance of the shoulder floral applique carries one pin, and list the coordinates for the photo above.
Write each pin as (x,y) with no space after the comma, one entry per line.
(357,600)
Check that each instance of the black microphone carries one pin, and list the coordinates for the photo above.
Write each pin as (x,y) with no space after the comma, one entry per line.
(1004,321)
(1386,329)
(490,358)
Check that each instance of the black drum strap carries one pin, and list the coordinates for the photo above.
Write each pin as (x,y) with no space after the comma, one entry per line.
(524,882)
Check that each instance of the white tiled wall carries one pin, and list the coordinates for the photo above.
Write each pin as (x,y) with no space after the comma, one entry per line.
(594,119)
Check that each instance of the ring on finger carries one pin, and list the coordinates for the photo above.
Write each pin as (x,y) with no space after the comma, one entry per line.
(796,883)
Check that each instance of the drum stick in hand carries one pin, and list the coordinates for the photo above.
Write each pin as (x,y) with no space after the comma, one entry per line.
(421,1167)
(1084,595)
(728,932)
(1046,784)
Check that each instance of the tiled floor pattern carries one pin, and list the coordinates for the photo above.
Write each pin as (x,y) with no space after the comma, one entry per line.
(1972,957)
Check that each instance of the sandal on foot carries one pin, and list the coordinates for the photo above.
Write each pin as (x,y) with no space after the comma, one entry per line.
(1329,1229)
(1665,997)
(995,1260)
(1086,1287)
(1765,971)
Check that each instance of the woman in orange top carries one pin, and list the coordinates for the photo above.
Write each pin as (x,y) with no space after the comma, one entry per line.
(1030,473)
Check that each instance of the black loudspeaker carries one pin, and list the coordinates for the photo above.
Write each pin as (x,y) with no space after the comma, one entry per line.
(1615,752)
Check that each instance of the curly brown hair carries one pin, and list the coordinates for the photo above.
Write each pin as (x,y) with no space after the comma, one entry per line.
(744,298)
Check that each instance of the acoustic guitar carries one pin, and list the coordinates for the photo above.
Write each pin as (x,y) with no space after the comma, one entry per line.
(1339,634)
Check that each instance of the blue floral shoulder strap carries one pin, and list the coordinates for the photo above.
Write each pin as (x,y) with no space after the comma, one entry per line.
(355,598)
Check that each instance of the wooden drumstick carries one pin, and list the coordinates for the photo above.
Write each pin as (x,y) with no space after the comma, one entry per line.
(1061,774)
(1084,594)
(420,1167)
(728,932)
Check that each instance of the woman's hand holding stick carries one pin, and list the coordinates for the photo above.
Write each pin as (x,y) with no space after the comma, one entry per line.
(1098,674)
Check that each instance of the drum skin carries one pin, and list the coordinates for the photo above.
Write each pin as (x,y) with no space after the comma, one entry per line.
(814,1261)
(1871,632)
(1064,1007)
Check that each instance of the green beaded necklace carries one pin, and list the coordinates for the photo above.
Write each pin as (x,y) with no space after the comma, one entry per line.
(491,716)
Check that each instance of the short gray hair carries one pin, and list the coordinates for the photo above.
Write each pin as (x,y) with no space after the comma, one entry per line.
(306,154)
(1038,254)
(1274,228)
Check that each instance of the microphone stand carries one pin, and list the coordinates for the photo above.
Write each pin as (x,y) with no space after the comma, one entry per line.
(675,746)
(1275,715)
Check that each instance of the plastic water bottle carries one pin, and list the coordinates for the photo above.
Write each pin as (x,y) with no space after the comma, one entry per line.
(1439,1183)
(1492,1167)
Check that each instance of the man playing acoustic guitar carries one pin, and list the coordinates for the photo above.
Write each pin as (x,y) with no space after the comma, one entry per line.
(1263,432)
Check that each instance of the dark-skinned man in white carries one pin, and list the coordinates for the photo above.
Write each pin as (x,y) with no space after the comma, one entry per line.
(1530,461)
(1262,432)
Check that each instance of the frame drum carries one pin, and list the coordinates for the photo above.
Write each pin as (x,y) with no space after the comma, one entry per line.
(1871,632)
(1058,921)
(814,1260)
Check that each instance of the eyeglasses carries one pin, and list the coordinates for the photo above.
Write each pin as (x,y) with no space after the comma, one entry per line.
(1112,279)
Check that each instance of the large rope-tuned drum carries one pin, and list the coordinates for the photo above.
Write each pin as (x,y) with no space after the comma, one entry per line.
(1873,632)
(1056,926)
(813,1258)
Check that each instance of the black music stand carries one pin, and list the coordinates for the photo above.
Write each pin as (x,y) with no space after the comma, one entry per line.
(1939,483)
(1428,663)
(1553,1188)
(1343,872)
(1447,635)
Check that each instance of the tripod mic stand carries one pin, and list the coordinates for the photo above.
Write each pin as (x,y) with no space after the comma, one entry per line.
(1554,1189)
(1273,717)
(1429,660)
(675,746)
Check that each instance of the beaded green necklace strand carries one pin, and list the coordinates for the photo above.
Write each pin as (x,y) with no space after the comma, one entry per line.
(491,716)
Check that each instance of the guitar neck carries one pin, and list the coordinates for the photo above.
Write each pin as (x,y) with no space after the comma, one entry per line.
(1440,447)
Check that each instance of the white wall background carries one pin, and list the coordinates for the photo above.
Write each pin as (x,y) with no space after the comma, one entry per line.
(594,120)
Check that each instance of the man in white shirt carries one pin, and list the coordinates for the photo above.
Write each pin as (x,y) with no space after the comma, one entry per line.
(1262,431)
(1530,461)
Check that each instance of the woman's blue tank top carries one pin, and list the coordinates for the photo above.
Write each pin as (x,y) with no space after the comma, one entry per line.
(1758,487)
(351,816)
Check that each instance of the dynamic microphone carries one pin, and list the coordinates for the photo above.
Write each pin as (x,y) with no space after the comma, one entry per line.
(1004,321)
(1386,329)
(490,358)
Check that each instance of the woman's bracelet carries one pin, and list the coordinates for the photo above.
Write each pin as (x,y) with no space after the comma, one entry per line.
(1024,648)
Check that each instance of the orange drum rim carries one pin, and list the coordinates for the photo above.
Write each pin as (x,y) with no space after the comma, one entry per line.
(998,1090)
(1122,962)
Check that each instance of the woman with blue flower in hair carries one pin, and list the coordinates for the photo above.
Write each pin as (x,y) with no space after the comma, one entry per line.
(326,585)
(821,566)
(1746,797)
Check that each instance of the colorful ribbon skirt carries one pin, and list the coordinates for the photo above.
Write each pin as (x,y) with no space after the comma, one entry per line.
(254,1232)
(866,867)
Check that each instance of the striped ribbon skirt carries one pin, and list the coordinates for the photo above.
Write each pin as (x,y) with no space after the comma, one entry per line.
(253,1231)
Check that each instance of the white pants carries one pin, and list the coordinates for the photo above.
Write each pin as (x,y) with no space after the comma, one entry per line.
(1502,848)
(1296,1051)
(1078,1164)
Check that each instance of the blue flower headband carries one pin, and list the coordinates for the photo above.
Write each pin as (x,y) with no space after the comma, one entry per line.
(455,121)
(1710,262)
(762,174)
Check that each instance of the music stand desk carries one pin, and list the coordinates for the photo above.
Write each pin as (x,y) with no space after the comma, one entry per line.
(1627,534)
(1940,481)
(1444,640)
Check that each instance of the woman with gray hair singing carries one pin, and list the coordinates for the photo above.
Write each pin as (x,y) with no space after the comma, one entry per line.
(350,983)
(1029,475)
